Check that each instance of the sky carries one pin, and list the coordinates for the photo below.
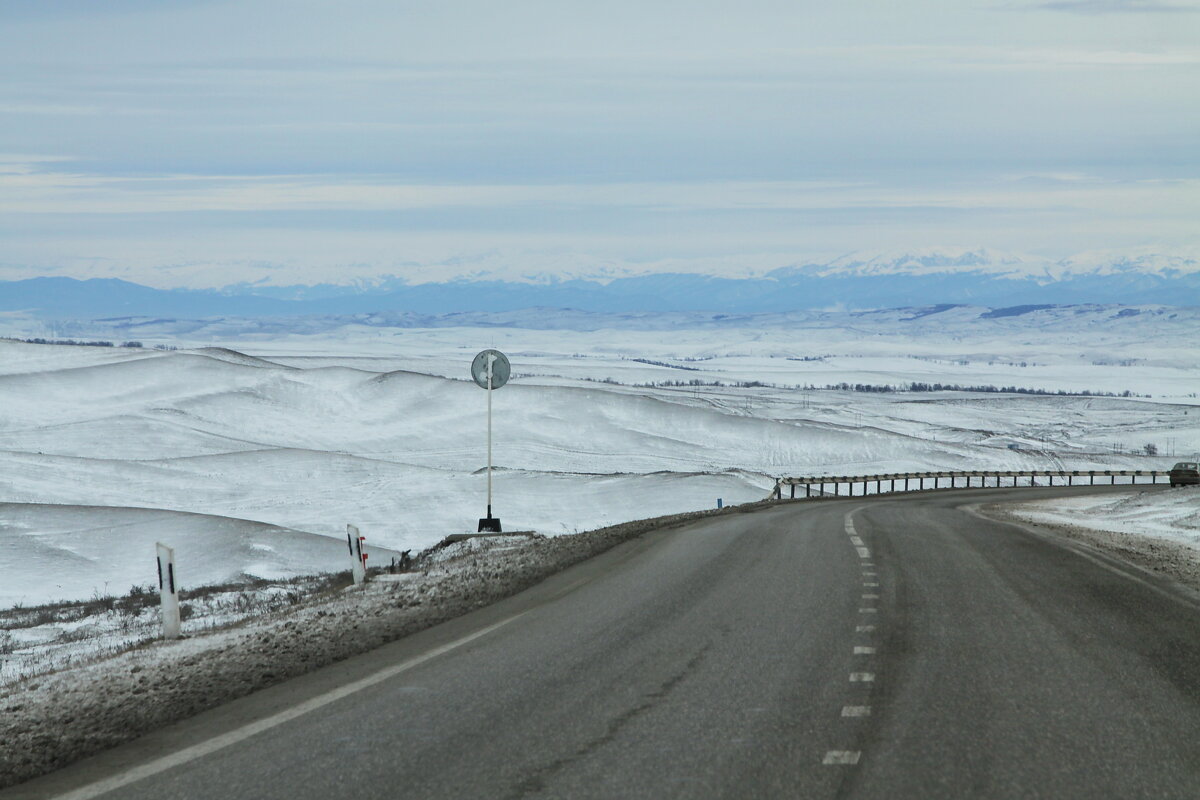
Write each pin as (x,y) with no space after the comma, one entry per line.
(205,143)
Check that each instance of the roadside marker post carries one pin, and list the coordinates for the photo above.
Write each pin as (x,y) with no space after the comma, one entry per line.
(490,370)
(358,557)
(168,590)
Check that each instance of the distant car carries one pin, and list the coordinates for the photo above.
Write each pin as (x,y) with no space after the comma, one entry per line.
(1185,472)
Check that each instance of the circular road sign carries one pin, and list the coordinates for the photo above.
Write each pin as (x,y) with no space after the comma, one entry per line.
(501,369)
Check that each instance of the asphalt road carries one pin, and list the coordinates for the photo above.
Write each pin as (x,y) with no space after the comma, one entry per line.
(756,655)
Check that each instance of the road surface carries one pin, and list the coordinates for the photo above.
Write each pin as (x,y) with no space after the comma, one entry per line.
(867,647)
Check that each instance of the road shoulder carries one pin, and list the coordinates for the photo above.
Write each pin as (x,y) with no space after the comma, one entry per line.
(1173,560)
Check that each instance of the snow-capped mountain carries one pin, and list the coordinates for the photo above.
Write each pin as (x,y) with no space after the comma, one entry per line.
(933,261)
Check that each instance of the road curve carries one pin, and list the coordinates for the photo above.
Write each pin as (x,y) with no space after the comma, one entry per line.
(898,646)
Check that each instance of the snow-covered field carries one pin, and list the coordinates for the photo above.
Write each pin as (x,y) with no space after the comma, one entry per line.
(252,455)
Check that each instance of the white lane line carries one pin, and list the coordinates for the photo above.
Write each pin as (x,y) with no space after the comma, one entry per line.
(864,651)
(867,564)
(254,728)
(836,757)
(869,584)
(855,540)
(864,628)
(856,711)
(867,574)
(862,677)
(868,611)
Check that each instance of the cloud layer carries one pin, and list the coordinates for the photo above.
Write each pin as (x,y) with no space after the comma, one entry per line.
(336,142)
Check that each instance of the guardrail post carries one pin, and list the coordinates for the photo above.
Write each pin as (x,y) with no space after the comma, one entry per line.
(808,490)
(793,491)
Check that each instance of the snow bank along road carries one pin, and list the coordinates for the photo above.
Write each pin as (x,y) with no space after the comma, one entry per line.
(878,647)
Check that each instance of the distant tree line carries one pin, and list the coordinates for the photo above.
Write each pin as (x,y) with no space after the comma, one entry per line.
(883,388)
(664,364)
(78,343)
(920,386)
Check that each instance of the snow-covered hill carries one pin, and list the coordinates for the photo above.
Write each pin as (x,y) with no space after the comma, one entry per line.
(280,441)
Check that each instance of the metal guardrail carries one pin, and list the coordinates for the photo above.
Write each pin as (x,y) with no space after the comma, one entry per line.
(935,479)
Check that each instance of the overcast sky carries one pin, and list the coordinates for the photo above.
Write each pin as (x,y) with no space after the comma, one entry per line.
(204,143)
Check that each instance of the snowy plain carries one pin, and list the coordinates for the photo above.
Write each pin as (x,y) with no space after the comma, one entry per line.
(255,452)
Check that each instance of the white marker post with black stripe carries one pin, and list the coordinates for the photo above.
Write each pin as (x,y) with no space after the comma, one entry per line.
(357,556)
(168,589)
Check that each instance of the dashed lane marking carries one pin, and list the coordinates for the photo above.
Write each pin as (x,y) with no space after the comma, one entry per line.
(836,757)
(850,757)
(855,539)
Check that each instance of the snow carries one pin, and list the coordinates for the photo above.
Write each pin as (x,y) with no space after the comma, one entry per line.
(79,552)
(1173,515)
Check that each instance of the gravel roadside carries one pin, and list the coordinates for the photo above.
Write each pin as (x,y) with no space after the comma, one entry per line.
(53,720)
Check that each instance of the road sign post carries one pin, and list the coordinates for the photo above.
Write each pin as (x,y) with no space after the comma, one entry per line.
(490,370)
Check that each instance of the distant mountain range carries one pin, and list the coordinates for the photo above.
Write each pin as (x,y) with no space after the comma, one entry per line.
(1172,323)
(859,281)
